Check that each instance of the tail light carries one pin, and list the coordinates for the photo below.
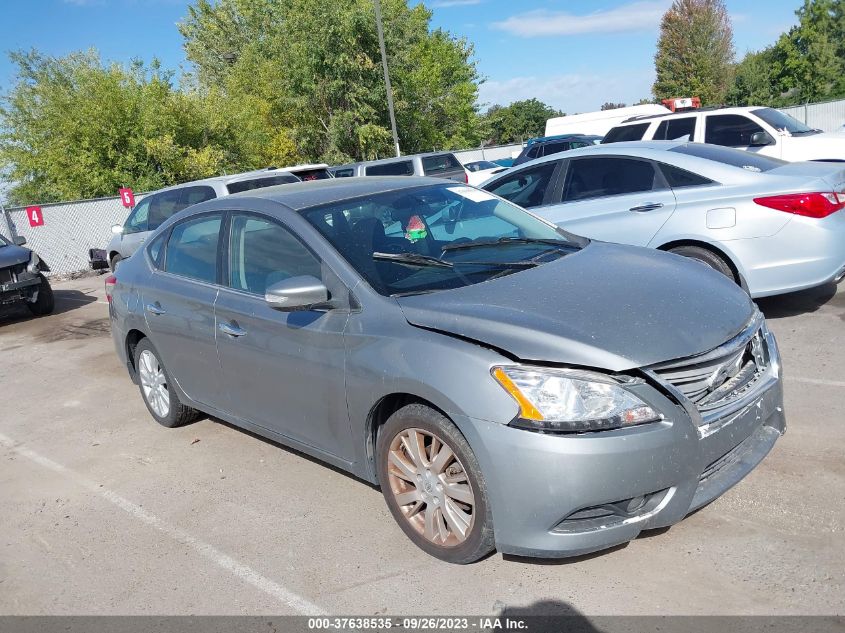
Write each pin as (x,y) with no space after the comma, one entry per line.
(466,176)
(111,282)
(811,205)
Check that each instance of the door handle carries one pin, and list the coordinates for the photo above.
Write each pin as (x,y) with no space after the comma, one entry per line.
(648,206)
(232,329)
(155,308)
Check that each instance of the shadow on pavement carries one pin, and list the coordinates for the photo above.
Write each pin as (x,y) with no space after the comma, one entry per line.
(801,302)
(549,615)
(66,301)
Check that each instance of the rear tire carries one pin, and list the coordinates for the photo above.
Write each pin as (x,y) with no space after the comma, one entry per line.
(437,494)
(707,257)
(157,388)
(45,302)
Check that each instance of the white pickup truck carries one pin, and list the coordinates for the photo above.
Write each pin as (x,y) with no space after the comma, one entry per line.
(763,130)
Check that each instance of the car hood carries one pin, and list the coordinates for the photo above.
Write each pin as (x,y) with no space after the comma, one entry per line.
(606,306)
(11,255)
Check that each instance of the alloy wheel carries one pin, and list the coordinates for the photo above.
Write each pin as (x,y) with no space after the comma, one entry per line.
(431,487)
(154,383)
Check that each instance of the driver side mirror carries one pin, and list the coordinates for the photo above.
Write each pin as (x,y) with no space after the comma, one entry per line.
(117,229)
(296,293)
(761,139)
(19,240)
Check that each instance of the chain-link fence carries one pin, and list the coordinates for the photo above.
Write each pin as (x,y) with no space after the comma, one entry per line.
(828,116)
(68,231)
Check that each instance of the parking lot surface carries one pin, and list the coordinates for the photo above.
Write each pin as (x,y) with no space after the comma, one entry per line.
(106,512)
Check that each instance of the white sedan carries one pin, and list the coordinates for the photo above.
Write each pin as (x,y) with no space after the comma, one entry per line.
(480,170)
(772,226)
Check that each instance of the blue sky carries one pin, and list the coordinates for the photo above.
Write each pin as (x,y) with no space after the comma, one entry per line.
(572,54)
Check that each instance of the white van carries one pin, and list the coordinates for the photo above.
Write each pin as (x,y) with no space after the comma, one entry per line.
(599,122)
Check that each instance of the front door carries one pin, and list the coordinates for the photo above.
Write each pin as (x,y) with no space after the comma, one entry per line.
(283,371)
(612,198)
(179,308)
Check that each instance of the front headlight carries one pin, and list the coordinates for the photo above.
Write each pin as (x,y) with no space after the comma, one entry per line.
(33,263)
(570,401)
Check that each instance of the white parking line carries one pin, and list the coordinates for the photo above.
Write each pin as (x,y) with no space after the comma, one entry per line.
(815,381)
(222,560)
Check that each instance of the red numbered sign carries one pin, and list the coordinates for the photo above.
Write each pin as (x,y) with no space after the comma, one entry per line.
(127,197)
(36,218)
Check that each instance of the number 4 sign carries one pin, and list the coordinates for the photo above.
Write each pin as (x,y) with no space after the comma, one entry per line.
(127,198)
(36,217)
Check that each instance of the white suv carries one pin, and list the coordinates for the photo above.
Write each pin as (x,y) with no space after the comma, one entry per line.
(763,130)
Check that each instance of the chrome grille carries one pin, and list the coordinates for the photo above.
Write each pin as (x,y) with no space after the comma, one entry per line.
(719,377)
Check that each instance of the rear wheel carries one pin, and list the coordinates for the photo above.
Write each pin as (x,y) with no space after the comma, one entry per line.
(157,389)
(433,485)
(45,302)
(706,257)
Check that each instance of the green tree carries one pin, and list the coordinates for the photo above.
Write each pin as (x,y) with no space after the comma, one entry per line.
(518,121)
(609,105)
(695,51)
(73,128)
(313,68)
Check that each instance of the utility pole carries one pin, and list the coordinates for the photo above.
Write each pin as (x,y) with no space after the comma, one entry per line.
(386,77)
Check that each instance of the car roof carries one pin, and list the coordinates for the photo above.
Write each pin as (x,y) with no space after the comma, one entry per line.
(394,159)
(556,137)
(246,175)
(304,195)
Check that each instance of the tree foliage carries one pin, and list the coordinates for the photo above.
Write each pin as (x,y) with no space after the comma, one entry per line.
(74,128)
(518,121)
(807,63)
(314,68)
(610,105)
(695,52)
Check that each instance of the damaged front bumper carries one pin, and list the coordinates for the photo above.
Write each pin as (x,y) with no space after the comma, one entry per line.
(17,287)
(567,495)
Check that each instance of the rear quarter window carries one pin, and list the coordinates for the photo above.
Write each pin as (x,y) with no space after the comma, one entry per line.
(442,163)
(677,177)
(626,133)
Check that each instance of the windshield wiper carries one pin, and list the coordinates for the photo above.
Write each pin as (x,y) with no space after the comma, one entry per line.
(507,240)
(413,259)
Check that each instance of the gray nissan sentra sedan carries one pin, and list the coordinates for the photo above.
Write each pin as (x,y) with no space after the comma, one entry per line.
(507,384)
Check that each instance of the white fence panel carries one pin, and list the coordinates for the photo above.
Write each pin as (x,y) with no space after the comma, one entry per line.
(828,116)
(69,230)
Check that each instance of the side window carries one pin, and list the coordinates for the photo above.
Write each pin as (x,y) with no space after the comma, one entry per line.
(731,130)
(260,183)
(677,177)
(598,177)
(554,148)
(262,253)
(399,168)
(154,249)
(626,133)
(138,219)
(674,129)
(533,151)
(192,248)
(526,187)
(164,206)
(195,195)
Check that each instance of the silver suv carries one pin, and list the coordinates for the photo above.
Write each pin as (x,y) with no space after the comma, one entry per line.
(438,165)
(158,206)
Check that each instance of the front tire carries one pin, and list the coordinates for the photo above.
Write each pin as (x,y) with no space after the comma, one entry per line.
(45,302)
(707,257)
(157,388)
(114,261)
(433,485)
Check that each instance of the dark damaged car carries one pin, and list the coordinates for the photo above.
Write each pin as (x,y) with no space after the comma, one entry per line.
(506,383)
(22,277)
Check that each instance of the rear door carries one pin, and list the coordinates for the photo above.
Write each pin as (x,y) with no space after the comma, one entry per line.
(179,307)
(283,371)
(612,198)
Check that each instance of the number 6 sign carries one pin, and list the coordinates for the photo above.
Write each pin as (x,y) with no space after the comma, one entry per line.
(36,217)
(127,198)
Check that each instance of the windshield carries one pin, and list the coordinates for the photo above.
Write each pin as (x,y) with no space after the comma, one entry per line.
(405,242)
(730,156)
(783,122)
